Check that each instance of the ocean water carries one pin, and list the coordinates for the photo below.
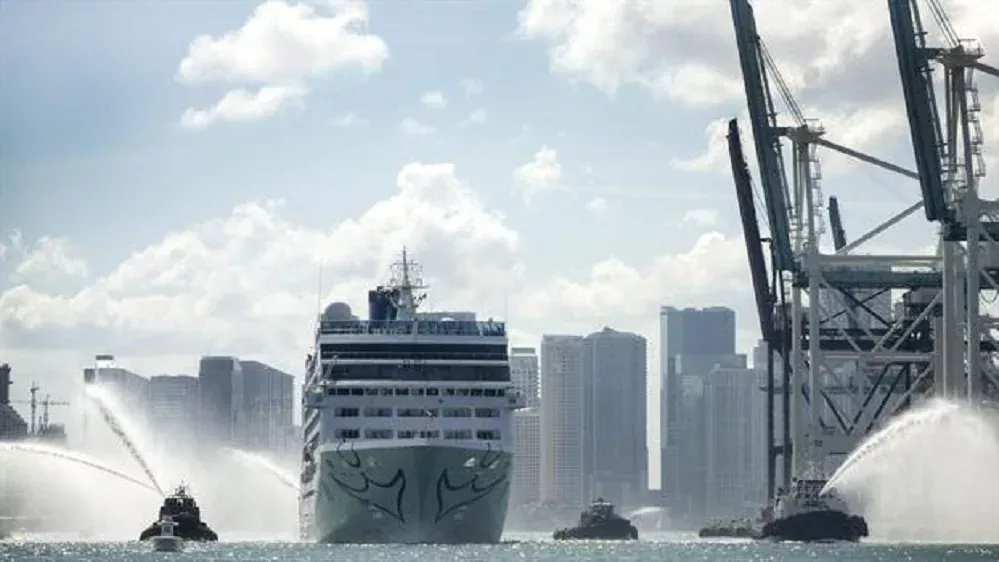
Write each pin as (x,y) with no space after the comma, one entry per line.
(529,548)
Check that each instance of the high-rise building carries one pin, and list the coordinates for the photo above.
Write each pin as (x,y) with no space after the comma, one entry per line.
(524,374)
(220,380)
(615,456)
(268,403)
(526,487)
(12,425)
(732,479)
(129,390)
(692,342)
(174,409)
(562,419)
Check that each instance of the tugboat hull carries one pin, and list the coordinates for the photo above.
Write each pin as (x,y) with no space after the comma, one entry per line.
(188,528)
(620,530)
(817,526)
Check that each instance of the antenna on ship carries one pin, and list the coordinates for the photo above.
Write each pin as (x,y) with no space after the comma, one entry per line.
(407,280)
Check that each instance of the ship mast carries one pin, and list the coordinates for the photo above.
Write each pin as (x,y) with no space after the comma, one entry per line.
(408,283)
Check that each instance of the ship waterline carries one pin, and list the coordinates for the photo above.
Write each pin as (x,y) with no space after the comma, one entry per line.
(411,494)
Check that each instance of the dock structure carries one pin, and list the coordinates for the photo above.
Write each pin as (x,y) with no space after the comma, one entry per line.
(854,339)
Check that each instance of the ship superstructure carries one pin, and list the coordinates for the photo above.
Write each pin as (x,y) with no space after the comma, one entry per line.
(408,424)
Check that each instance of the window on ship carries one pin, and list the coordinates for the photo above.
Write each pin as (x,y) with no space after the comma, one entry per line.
(406,433)
(346,412)
(486,413)
(457,434)
(377,412)
(378,434)
(457,412)
(416,412)
(344,433)
(487,435)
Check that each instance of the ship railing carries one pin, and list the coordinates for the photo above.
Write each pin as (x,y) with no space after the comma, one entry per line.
(415,327)
(415,355)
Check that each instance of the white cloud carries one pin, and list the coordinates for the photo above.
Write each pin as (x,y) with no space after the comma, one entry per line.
(210,287)
(414,128)
(434,99)
(716,154)
(241,105)
(542,174)
(715,266)
(597,206)
(700,218)
(475,117)
(280,47)
(48,258)
(472,87)
(348,119)
(685,49)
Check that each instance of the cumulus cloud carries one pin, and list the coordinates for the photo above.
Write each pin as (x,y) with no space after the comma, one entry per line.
(281,47)
(243,105)
(476,117)
(245,283)
(597,206)
(714,266)
(349,119)
(412,127)
(434,99)
(213,286)
(542,174)
(48,258)
(843,75)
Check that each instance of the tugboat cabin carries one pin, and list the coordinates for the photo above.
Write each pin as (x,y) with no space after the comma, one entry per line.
(179,503)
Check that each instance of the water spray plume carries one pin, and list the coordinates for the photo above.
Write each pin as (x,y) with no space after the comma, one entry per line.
(70,456)
(265,464)
(928,475)
(104,405)
(897,428)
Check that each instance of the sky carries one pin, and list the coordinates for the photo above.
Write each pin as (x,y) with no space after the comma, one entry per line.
(198,177)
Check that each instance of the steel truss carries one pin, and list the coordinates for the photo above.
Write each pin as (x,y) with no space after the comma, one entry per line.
(865,356)
(948,151)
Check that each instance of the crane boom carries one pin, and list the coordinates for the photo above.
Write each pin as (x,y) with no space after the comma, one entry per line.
(920,105)
(836,224)
(766,135)
(761,288)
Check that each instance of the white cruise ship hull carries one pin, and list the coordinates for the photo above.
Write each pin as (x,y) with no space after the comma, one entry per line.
(413,493)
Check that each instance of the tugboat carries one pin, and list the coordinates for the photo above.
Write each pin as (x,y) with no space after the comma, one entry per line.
(734,529)
(183,511)
(804,514)
(166,541)
(599,522)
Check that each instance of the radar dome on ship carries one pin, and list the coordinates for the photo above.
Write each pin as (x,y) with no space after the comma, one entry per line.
(338,311)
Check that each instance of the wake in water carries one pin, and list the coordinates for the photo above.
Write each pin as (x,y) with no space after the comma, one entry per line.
(929,475)
(104,403)
(250,458)
(78,458)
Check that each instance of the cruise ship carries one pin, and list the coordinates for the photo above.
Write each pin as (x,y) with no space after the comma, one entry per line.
(408,423)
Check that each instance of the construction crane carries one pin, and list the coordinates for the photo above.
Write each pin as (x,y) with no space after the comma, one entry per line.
(43,424)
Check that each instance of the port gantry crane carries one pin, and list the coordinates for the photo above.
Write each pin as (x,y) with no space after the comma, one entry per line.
(948,154)
(848,362)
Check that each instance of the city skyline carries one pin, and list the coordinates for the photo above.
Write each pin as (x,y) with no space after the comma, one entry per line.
(479,180)
(652,406)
